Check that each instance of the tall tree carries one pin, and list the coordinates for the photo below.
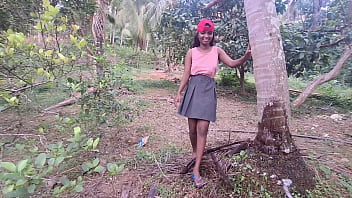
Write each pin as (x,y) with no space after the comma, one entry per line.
(271,77)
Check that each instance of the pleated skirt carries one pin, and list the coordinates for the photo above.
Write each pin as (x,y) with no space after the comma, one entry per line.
(199,100)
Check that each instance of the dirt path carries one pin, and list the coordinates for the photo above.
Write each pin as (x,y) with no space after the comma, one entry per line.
(168,130)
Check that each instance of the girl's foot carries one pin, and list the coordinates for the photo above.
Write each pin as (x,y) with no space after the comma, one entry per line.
(198,182)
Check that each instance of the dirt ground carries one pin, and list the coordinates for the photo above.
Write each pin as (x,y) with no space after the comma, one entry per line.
(167,129)
(168,132)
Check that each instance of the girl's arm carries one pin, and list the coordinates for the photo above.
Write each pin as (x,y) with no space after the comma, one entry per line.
(185,77)
(234,63)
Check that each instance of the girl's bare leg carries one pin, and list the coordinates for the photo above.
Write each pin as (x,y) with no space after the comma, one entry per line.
(202,132)
(192,124)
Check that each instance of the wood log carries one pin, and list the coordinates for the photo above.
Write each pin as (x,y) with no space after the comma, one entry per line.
(220,168)
(70,101)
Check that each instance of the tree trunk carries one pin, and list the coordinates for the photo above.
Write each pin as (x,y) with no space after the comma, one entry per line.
(290,13)
(271,78)
(323,78)
(98,33)
(317,4)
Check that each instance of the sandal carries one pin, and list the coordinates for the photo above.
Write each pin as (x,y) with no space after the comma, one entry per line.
(197,180)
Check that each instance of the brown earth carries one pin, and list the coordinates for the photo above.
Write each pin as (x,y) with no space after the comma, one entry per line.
(147,170)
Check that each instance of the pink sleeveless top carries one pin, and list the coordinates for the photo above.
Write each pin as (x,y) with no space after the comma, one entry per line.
(205,63)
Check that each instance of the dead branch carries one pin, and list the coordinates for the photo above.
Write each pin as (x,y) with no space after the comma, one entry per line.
(191,163)
(299,92)
(69,101)
(212,3)
(238,148)
(26,87)
(323,78)
(219,166)
(333,44)
(294,135)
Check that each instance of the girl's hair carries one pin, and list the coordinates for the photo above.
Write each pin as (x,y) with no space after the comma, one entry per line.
(196,42)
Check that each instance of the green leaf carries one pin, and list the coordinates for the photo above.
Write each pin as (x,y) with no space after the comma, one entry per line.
(65,181)
(95,143)
(21,165)
(21,182)
(51,161)
(78,188)
(41,130)
(98,169)
(77,131)
(86,166)
(95,162)
(40,160)
(59,160)
(9,166)
(111,167)
(8,189)
(40,71)
(31,188)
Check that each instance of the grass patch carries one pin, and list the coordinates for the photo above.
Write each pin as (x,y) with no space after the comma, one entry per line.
(157,84)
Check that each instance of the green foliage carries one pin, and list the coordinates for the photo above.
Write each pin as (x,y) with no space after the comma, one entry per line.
(248,183)
(16,15)
(227,78)
(312,52)
(333,95)
(24,64)
(23,178)
(114,168)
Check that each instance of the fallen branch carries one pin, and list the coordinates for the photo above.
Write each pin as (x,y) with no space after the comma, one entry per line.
(294,135)
(26,87)
(191,163)
(69,101)
(299,92)
(220,169)
(238,148)
(323,78)
(41,137)
(212,3)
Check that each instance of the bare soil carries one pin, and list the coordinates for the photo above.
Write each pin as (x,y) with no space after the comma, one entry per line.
(148,172)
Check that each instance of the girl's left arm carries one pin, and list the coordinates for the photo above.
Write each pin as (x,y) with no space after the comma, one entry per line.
(234,63)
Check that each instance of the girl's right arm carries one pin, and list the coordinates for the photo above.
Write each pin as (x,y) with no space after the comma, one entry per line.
(185,77)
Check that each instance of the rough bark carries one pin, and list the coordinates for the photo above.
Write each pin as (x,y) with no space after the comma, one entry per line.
(317,4)
(98,33)
(290,14)
(271,78)
(323,79)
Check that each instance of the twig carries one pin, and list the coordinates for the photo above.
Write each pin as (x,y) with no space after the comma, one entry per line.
(16,134)
(294,135)
(162,172)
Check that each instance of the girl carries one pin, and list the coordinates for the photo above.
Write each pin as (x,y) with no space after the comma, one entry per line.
(199,101)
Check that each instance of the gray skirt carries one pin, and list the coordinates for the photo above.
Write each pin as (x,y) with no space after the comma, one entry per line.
(199,101)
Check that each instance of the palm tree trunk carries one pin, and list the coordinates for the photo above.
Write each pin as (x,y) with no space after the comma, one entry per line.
(271,78)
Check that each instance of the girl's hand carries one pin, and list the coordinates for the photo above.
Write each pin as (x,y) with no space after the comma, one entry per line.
(177,100)
(248,54)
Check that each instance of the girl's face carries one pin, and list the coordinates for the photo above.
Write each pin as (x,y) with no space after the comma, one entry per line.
(205,37)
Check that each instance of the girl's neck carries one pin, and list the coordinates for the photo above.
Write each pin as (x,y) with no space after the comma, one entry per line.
(204,47)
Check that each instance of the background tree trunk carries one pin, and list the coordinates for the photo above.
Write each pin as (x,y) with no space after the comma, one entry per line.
(271,77)
(290,14)
(98,33)
(317,4)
